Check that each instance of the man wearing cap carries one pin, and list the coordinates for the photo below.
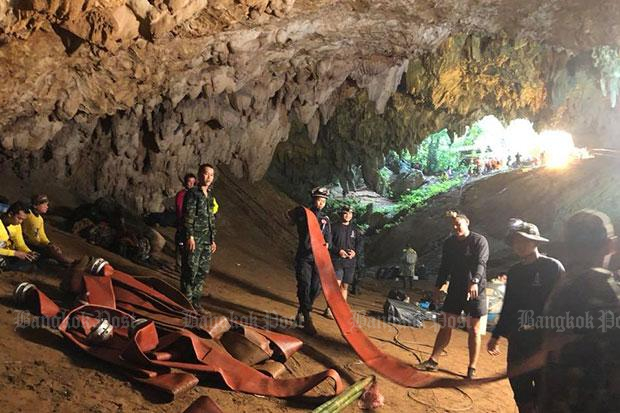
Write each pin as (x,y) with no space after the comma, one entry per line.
(308,282)
(344,248)
(464,260)
(14,253)
(529,284)
(34,231)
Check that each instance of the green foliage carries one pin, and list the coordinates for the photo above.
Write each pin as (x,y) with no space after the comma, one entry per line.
(417,198)
(436,154)
(470,136)
(334,205)
(607,60)
(384,182)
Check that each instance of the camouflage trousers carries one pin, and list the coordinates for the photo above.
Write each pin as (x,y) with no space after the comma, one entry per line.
(194,269)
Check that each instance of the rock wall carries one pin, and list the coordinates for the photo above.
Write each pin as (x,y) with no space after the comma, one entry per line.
(122,97)
(465,79)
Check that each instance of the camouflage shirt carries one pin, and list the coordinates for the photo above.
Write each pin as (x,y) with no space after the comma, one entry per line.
(198,215)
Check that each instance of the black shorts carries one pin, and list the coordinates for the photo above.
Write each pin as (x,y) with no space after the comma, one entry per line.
(455,304)
(345,274)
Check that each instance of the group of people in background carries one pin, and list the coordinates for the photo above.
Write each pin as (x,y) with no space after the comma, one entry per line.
(23,240)
(344,241)
(543,297)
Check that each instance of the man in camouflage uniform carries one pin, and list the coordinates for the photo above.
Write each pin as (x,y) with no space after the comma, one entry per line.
(199,225)
(409,259)
(583,359)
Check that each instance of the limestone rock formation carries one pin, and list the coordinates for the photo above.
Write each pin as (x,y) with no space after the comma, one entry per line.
(122,97)
(406,181)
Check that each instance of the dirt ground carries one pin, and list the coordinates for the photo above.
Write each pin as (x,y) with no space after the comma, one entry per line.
(252,278)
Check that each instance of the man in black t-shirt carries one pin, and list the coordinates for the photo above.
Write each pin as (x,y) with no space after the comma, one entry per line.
(308,282)
(464,260)
(344,248)
(529,284)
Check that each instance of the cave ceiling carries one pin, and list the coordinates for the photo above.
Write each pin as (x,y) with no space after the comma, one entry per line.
(143,90)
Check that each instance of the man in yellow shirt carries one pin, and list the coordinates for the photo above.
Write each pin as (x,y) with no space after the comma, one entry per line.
(34,231)
(14,253)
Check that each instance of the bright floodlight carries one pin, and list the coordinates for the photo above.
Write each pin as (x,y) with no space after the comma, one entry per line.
(559,148)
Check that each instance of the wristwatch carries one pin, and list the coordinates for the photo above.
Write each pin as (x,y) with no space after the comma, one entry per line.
(475,280)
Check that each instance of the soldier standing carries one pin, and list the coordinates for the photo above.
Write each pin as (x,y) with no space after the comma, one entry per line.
(199,226)
(409,260)
(308,282)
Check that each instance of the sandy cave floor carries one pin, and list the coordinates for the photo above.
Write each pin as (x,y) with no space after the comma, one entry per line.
(38,368)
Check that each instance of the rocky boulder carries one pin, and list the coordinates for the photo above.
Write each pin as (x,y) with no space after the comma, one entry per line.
(404,182)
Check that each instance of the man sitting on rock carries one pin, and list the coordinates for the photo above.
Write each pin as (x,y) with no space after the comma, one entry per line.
(34,231)
(14,253)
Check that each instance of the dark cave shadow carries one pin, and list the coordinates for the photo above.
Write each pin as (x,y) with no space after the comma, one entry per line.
(328,362)
(267,320)
(275,322)
(261,319)
(252,288)
(228,309)
(306,402)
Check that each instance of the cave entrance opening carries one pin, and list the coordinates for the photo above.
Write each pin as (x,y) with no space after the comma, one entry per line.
(444,161)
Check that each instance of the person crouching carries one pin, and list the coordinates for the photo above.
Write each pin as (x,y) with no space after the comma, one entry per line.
(34,231)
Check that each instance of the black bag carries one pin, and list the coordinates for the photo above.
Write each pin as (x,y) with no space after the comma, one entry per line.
(398,312)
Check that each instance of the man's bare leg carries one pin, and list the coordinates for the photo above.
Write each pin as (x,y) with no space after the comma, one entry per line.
(474,341)
(344,289)
(443,337)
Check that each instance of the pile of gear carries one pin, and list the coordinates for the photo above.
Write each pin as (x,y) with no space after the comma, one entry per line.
(106,224)
(149,331)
